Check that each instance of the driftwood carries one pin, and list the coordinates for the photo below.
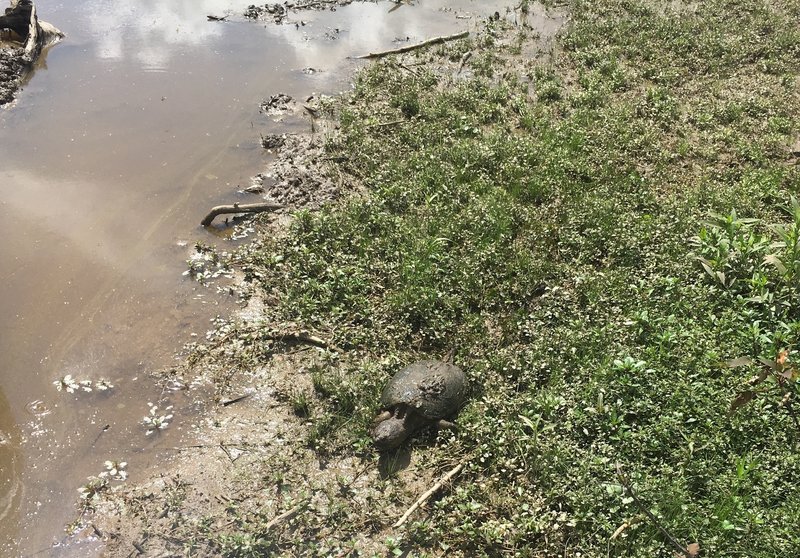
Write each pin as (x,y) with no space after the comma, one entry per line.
(20,24)
(33,46)
(23,22)
(424,498)
(238,208)
(434,41)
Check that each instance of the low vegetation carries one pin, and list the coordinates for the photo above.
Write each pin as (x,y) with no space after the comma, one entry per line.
(609,238)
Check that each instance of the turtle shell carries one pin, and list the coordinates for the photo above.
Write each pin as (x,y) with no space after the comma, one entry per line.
(433,388)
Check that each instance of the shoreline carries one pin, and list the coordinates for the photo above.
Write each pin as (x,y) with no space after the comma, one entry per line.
(593,223)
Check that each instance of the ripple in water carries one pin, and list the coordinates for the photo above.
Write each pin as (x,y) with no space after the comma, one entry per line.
(38,408)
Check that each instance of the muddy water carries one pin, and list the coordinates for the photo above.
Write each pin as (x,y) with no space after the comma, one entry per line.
(128,131)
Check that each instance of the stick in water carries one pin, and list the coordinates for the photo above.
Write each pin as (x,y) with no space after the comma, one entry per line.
(434,41)
(238,208)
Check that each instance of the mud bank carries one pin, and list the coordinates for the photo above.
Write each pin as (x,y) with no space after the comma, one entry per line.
(12,70)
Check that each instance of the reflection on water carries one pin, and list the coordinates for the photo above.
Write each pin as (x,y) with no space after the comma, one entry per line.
(142,119)
(152,32)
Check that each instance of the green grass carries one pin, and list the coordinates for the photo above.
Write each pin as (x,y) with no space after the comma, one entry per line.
(547,219)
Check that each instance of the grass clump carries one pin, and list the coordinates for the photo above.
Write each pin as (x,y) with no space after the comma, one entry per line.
(596,235)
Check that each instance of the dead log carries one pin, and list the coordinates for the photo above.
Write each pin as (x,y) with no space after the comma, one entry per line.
(238,208)
(17,19)
(22,24)
(33,46)
(434,41)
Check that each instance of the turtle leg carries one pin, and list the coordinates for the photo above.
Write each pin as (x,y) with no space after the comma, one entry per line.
(441,423)
(382,417)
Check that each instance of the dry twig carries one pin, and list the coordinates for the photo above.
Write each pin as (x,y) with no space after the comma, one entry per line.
(466,56)
(422,499)
(690,552)
(285,515)
(227,402)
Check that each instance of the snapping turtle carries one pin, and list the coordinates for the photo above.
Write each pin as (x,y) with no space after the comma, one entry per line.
(420,394)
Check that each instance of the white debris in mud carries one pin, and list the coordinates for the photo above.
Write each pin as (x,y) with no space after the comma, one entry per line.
(71,385)
(156,422)
(206,264)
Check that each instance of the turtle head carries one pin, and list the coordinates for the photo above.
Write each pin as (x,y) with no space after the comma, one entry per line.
(389,430)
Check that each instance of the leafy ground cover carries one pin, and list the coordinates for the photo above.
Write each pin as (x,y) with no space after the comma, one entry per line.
(608,238)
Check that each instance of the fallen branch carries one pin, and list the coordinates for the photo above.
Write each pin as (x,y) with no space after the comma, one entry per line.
(434,41)
(285,515)
(690,552)
(301,337)
(422,499)
(33,46)
(232,444)
(237,208)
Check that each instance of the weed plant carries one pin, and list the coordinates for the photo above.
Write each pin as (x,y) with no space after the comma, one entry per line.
(597,235)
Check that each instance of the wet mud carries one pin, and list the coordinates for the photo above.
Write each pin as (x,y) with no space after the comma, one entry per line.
(12,70)
(282,13)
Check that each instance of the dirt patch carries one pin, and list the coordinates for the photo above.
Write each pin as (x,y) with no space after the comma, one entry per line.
(250,463)
(293,180)
(300,177)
